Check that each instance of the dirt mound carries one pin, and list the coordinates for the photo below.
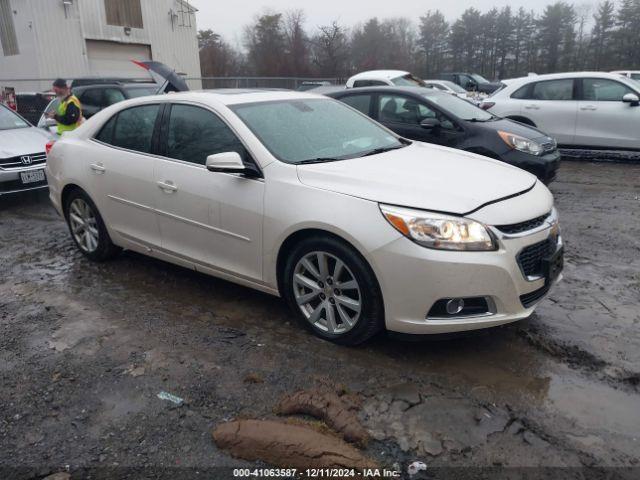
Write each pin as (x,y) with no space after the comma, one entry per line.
(286,445)
(337,412)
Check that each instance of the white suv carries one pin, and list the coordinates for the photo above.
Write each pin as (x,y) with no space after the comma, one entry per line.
(584,109)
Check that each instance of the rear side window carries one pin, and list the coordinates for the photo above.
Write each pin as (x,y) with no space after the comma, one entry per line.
(361,103)
(368,83)
(603,90)
(92,97)
(112,96)
(196,133)
(131,129)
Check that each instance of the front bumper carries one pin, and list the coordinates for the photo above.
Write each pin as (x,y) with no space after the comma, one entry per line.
(10,181)
(415,278)
(545,167)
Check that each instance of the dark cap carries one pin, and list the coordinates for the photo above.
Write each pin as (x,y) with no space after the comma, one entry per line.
(60,83)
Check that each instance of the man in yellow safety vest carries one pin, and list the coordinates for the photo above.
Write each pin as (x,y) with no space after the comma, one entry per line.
(68,115)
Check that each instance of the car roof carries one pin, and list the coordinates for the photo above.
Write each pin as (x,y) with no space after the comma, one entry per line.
(227,96)
(421,91)
(376,74)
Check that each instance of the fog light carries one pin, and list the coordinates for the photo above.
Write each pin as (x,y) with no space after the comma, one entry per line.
(455,306)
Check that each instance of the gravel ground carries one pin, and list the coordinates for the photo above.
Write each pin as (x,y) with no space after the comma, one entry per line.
(85,349)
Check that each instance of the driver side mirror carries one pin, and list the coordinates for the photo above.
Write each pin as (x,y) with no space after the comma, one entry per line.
(430,123)
(230,162)
(632,99)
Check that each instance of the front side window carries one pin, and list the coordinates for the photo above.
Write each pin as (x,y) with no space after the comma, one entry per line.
(133,128)
(112,96)
(361,103)
(314,130)
(553,90)
(603,90)
(9,120)
(195,133)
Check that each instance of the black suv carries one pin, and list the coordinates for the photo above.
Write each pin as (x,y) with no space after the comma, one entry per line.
(471,82)
(97,96)
(432,116)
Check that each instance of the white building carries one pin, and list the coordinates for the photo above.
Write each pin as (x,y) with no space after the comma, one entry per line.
(45,39)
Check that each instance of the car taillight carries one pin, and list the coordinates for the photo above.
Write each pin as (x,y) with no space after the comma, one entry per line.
(487,105)
(49,146)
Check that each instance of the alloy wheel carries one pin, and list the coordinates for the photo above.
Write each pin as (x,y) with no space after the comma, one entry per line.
(327,292)
(84,225)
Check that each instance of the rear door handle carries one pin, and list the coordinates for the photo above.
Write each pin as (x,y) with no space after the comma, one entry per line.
(589,107)
(98,168)
(167,187)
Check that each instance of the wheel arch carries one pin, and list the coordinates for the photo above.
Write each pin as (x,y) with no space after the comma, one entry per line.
(309,232)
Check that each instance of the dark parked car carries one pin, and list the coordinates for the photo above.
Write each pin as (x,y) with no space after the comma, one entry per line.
(100,96)
(31,104)
(471,82)
(431,116)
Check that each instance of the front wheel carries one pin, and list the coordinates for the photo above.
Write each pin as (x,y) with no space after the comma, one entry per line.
(87,227)
(333,291)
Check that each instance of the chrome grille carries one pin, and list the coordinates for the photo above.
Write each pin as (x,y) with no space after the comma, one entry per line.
(17,162)
(516,228)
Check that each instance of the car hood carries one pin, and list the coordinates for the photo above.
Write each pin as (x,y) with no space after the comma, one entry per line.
(421,176)
(22,141)
(514,127)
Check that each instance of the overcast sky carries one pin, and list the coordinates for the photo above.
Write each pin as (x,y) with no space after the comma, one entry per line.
(227,17)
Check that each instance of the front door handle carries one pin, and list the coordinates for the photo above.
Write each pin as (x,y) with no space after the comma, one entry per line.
(167,187)
(532,107)
(589,108)
(98,168)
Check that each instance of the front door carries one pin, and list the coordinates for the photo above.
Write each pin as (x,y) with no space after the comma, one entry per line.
(211,219)
(404,114)
(604,120)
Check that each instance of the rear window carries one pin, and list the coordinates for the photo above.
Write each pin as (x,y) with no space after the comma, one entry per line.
(141,92)
(408,81)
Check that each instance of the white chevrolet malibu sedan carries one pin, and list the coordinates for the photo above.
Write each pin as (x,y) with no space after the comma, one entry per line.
(301,196)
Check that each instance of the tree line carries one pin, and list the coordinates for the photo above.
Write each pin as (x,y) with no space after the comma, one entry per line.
(499,43)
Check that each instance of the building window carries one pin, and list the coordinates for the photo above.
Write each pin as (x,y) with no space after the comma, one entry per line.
(124,13)
(7,30)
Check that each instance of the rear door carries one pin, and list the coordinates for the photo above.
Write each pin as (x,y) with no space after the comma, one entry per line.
(209,218)
(404,114)
(122,174)
(552,106)
(604,120)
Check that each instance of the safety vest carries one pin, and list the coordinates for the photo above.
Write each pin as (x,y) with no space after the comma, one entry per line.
(62,109)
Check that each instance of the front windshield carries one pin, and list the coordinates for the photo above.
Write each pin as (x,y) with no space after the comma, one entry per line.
(408,80)
(479,78)
(459,108)
(454,86)
(308,130)
(9,120)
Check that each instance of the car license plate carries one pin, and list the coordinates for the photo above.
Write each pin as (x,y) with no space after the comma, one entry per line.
(32,176)
(553,265)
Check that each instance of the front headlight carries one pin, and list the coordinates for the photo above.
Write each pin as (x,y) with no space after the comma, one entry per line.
(442,232)
(520,143)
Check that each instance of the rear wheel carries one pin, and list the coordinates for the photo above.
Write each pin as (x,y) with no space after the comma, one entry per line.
(87,227)
(333,291)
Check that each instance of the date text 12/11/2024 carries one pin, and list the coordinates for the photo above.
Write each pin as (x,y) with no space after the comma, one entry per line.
(315,473)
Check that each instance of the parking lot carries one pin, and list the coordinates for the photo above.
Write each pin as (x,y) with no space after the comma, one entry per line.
(86,348)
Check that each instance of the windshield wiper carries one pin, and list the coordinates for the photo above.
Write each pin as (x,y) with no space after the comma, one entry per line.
(318,160)
(376,151)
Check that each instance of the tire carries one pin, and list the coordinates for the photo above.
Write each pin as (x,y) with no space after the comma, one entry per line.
(93,241)
(353,296)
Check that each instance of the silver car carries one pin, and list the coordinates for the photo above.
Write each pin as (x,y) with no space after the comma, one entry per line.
(22,153)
